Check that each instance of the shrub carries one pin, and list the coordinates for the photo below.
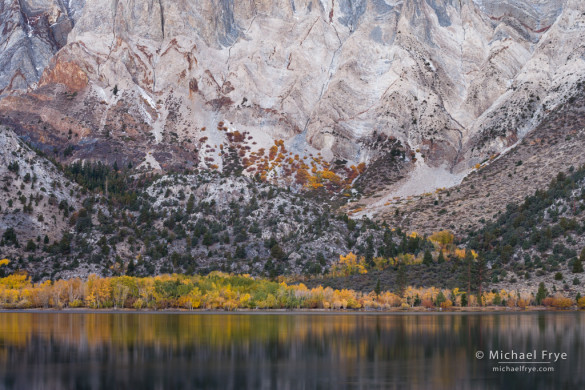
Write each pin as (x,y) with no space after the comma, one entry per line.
(447,304)
(562,302)
(427,303)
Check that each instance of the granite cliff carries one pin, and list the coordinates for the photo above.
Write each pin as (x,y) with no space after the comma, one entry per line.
(166,84)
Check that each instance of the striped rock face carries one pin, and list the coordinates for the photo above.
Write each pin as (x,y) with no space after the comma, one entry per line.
(453,82)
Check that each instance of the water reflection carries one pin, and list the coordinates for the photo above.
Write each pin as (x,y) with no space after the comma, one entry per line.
(238,351)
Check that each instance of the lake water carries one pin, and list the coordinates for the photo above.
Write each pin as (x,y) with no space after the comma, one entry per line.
(47,350)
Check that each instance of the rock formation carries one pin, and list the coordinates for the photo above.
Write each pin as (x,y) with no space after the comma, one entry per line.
(455,81)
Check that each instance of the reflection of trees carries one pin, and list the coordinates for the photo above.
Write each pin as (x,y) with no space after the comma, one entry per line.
(357,349)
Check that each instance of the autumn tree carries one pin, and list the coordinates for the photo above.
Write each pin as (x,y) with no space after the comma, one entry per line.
(440,299)
(443,238)
(349,265)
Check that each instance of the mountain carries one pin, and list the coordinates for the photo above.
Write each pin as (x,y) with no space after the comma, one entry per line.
(453,81)
(419,115)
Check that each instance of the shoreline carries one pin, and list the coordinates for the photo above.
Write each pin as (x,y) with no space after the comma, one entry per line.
(483,310)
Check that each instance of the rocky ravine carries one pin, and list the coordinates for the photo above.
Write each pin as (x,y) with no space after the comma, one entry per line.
(458,81)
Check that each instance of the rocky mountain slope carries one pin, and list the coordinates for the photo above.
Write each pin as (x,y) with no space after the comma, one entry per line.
(62,221)
(554,146)
(36,196)
(150,81)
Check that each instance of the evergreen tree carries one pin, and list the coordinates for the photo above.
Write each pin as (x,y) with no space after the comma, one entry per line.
(207,239)
(479,276)
(191,204)
(578,263)
(277,252)
(131,268)
(9,238)
(441,258)
(321,259)
(440,299)
(370,252)
(401,280)
(464,299)
(427,258)
(541,293)
(240,253)
(467,271)
(378,289)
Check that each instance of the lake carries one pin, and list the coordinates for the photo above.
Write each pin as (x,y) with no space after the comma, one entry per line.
(63,350)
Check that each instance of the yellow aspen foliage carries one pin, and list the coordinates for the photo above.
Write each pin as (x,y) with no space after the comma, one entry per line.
(221,291)
(447,304)
(331,176)
(272,152)
(4,262)
(561,302)
(443,238)
(315,182)
(16,281)
(349,265)
(522,303)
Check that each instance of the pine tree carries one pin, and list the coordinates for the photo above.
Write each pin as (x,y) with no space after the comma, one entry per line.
(321,259)
(277,252)
(578,263)
(378,289)
(467,271)
(370,252)
(190,205)
(131,267)
(541,293)
(479,276)
(207,239)
(440,299)
(428,258)
(441,258)
(464,299)
(401,280)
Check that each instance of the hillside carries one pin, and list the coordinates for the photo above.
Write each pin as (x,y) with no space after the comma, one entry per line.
(554,146)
